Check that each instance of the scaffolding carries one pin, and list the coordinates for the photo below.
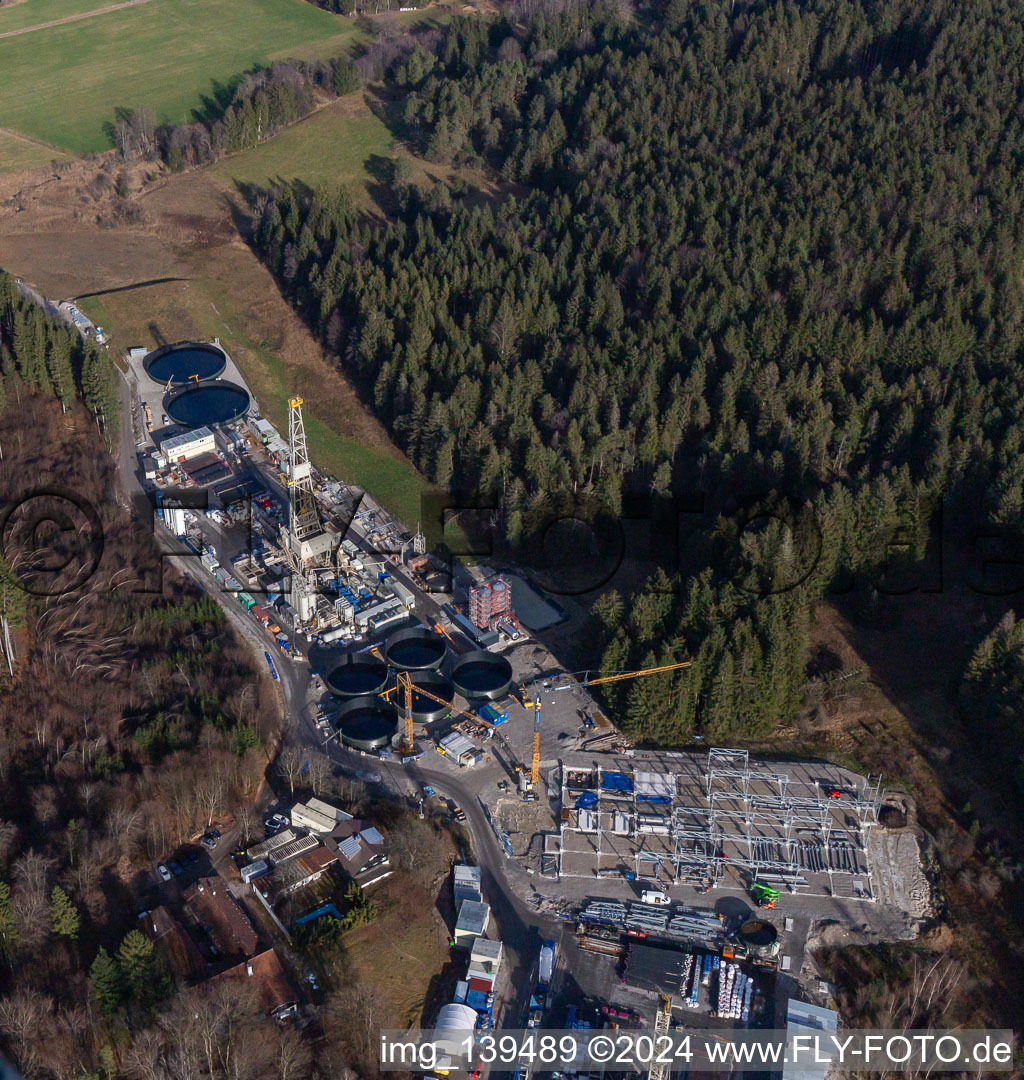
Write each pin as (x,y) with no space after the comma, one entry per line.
(304,519)
(753,819)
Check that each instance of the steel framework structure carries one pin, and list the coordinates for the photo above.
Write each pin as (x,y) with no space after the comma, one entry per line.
(303,519)
(774,834)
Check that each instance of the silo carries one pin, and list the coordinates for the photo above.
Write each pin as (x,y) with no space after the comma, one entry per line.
(415,649)
(482,675)
(356,674)
(759,938)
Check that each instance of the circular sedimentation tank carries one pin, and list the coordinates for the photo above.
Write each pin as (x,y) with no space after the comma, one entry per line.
(426,710)
(366,723)
(415,649)
(206,404)
(482,675)
(356,675)
(760,937)
(182,363)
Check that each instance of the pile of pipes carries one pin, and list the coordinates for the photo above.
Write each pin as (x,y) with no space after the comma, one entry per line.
(734,993)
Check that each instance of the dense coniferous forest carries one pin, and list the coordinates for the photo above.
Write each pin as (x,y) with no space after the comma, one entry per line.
(766,252)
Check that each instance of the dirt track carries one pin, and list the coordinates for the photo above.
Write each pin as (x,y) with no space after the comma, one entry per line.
(72,18)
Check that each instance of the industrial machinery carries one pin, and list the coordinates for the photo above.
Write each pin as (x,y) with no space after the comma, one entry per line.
(586,681)
(306,539)
(408,687)
(764,895)
(439,629)
(662,1023)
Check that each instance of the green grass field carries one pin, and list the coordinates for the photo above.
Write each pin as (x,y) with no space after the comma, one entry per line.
(166,54)
(332,146)
(17,154)
(34,12)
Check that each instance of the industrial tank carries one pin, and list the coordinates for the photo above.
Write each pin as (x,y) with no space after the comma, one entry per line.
(184,362)
(206,404)
(356,674)
(426,710)
(759,938)
(366,723)
(415,649)
(482,675)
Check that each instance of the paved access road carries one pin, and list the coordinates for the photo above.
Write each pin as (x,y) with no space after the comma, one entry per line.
(520,929)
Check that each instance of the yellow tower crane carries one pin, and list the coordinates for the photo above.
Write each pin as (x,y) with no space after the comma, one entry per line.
(586,681)
(407,686)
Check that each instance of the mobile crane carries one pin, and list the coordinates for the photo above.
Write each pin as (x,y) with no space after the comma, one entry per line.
(586,681)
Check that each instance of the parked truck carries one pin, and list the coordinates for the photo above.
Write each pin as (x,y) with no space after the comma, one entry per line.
(546,967)
(401,592)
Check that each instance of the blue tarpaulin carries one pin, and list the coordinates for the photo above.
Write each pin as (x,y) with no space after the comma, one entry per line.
(664,800)
(586,800)
(324,909)
(616,781)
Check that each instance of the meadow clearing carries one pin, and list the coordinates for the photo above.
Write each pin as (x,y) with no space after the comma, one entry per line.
(169,55)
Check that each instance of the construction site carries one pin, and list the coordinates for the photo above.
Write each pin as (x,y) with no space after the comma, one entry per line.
(713,820)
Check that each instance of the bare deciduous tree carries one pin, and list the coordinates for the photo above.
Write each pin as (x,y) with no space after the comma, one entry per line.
(359,1012)
(320,771)
(294,1056)
(22,1015)
(290,762)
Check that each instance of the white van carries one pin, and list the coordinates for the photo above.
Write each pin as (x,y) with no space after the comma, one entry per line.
(650,896)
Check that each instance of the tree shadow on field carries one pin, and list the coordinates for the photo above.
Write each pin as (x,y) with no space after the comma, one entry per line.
(215,104)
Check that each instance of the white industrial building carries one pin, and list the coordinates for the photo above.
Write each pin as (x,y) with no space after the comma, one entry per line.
(466,883)
(264,429)
(305,817)
(805,1019)
(458,748)
(189,445)
(326,809)
(455,1024)
(484,960)
(472,922)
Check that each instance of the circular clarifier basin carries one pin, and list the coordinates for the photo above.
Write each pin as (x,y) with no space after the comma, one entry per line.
(206,404)
(760,937)
(415,649)
(481,675)
(355,675)
(185,362)
(366,723)
(425,710)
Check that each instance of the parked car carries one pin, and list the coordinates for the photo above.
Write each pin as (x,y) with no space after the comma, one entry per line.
(280,819)
(209,842)
(270,825)
(164,872)
(176,867)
